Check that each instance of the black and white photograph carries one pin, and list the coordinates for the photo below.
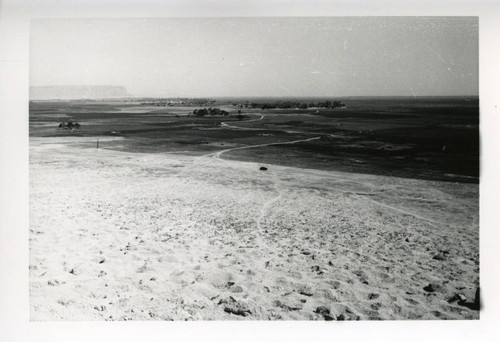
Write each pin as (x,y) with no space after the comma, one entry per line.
(319,168)
(275,170)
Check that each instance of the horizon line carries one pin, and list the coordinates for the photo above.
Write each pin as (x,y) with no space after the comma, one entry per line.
(254,96)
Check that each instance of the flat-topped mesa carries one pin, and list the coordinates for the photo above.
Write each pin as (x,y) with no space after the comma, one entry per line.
(74,92)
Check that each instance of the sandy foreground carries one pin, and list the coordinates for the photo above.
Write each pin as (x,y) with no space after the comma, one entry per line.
(129,236)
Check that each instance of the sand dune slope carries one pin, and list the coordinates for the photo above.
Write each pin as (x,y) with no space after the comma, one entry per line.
(123,236)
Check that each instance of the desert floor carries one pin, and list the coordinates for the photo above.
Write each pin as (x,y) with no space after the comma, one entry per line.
(131,236)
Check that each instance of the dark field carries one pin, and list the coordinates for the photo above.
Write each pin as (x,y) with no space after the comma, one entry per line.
(425,138)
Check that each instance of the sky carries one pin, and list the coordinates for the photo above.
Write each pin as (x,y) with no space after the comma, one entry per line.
(218,57)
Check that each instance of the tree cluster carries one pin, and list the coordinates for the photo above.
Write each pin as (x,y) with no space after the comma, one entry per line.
(209,111)
(69,125)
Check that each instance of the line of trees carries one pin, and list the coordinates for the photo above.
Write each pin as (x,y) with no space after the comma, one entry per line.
(293,105)
(181,101)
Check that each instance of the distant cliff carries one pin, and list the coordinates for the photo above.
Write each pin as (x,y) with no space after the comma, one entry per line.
(77,92)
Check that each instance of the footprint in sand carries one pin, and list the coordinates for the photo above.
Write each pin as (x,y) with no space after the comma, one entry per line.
(342,312)
(220,279)
(53,282)
(411,301)
(306,290)
(362,277)
(65,302)
(327,294)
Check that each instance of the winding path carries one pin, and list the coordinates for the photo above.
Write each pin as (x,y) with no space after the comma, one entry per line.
(218,154)
(225,124)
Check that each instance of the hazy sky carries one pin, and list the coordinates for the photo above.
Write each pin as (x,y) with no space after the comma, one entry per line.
(328,56)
